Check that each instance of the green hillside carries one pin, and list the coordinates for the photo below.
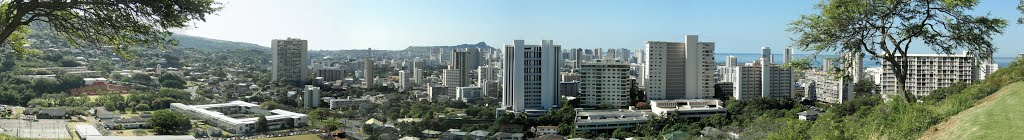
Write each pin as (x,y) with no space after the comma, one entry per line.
(996,117)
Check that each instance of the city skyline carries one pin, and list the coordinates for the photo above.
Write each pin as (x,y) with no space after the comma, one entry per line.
(394,25)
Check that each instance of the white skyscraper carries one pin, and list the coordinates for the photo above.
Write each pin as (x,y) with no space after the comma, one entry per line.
(290,61)
(604,84)
(787,56)
(680,70)
(311,97)
(530,77)
(403,80)
(932,71)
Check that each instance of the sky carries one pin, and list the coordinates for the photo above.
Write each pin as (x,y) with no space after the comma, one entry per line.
(741,26)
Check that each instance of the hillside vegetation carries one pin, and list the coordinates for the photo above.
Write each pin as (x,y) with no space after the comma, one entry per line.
(867,117)
(995,117)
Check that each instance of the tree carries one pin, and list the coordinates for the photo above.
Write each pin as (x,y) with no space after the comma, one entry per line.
(141,107)
(261,124)
(886,29)
(168,122)
(118,23)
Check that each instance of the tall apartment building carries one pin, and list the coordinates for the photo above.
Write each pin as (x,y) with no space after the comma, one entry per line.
(290,61)
(680,70)
(758,79)
(417,75)
(530,77)
(311,97)
(368,73)
(928,72)
(825,87)
(603,83)
(487,79)
(403,80)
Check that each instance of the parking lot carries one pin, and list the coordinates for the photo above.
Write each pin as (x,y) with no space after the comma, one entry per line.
(42,129)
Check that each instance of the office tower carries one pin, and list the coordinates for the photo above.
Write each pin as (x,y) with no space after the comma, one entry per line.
(931,71)
(787,55)
(289,61)
(604,84)
(530,77)
(368,73)
(403,80)
(457,74)
(680,70)
(311,97)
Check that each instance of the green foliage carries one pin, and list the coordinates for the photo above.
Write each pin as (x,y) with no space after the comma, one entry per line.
(171,81)
(868,117)
(886,29)
(798,64)
(261,125)
(169,122)
(120,24)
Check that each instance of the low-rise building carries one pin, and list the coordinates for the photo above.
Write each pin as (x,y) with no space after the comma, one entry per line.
(240,117)
(544,130)
(589,120)
(688,107)
(468,94)
(347,102)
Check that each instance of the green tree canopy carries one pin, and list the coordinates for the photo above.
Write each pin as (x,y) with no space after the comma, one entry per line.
(168,122)
(885,29)
(118,23)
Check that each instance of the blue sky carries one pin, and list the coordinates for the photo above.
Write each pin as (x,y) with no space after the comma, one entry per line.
(735,26)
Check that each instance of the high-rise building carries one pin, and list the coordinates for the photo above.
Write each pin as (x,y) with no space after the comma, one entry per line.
(530,77)
(457,74)
(604,84)
(760,78)
(487,79)
(928,72)
(368,72)
(403,80)
(787,56)
(416,70)
(825,87)
(680,70)
(311,97)
(290,61)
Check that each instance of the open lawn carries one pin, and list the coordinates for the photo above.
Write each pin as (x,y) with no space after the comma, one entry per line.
(997,116)
(296,137)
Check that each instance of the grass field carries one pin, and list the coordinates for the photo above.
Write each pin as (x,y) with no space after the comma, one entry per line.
(998,116)
(296,137)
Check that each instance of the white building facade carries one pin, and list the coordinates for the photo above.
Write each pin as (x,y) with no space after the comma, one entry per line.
(680,70)
(530,76)
(603,83)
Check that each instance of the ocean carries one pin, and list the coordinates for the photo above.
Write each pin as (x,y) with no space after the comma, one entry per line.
(742,58)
